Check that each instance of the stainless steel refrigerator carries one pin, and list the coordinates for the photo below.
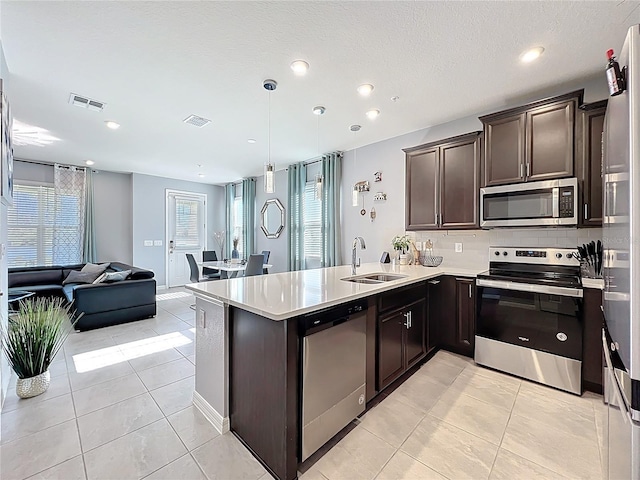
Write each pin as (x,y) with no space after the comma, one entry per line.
(621,239)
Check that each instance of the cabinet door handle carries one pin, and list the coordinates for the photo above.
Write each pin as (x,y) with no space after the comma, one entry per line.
(410,319)
(436,218)
(407,316)
(434,282)
(522,170)
(586,211)
(528,169)
(470,291)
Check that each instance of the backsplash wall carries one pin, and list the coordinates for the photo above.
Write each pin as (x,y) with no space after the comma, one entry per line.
(476,243)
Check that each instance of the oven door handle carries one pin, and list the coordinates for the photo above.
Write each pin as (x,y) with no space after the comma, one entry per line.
(528,287)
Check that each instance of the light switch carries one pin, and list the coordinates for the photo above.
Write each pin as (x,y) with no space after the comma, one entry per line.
(202,323)
(148,243)
(157,243)
(458,247)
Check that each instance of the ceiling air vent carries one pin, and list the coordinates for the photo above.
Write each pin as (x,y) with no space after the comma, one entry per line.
(85,102)
(196,120)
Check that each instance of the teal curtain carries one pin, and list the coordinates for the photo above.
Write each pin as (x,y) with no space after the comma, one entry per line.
(229,196)
(248,215)
(331,185)
(296,179)
(89,241)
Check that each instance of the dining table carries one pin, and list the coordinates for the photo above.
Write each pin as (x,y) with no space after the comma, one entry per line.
(230,270)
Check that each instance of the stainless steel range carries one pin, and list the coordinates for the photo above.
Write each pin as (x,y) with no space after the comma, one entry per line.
(529,316)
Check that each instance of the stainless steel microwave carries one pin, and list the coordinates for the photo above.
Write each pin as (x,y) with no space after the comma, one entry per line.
(533,204)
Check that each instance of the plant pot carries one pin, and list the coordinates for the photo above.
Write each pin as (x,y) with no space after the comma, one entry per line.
(404,259)
(33,386)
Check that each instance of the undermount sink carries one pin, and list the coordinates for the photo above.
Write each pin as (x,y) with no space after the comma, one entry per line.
(372,278)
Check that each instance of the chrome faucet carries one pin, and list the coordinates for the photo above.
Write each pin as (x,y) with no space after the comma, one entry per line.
(363,246)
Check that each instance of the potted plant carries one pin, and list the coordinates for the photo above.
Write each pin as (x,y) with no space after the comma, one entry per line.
(401,245)
(234,252)
(34,336)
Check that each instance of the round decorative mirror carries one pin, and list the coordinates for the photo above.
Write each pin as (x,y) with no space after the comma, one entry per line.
(272,218)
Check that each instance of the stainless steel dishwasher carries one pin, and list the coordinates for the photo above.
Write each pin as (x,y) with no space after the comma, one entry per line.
(333,372)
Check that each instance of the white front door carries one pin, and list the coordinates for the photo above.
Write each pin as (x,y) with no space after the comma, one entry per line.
(186,227)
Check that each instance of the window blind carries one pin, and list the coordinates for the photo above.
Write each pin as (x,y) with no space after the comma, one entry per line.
(311,213)
(238,222)
(188,220)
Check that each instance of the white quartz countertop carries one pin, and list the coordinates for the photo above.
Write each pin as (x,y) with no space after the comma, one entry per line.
(593,283)
(279,296)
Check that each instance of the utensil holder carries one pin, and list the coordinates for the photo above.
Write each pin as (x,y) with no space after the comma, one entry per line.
(588,271)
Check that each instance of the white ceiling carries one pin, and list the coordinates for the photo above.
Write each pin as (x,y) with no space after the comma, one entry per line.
(155,63)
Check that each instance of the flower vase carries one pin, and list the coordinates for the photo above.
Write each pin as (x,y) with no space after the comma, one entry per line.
(33,386)
(235,253)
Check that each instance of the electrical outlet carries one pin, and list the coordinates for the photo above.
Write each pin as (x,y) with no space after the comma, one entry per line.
(157,243)
(202,318)
(148,243)
(458,247)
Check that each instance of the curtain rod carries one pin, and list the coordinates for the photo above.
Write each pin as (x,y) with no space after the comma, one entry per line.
(35,162)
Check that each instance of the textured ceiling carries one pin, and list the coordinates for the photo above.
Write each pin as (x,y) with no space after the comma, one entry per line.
(155,63)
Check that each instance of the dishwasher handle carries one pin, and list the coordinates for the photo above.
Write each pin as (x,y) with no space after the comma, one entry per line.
(331,317)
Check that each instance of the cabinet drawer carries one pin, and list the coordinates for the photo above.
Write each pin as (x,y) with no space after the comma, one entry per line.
(401,297)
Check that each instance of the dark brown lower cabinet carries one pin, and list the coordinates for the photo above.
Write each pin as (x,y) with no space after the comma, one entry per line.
(401,341)
(465,315)
(592,340)
(452,306)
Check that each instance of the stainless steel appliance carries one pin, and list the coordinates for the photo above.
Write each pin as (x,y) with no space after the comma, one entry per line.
(621,239)
(333,372)
(531,204)
(529,315)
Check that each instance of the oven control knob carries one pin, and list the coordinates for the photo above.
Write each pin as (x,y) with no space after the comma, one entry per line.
(558,256)
(569,255)
(497,253)
(561,336)
(505,253)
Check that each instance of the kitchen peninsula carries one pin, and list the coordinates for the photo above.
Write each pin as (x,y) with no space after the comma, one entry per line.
(248,373)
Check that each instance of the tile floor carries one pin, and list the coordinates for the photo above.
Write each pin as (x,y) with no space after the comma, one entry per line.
(120,407)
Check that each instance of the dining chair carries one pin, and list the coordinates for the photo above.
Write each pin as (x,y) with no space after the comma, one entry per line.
(266,254)
(210,256)
(195,276)
(254,265)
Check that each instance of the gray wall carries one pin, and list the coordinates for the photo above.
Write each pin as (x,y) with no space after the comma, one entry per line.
(149,219)
(387,156)
(112,195)
(5,370)
(278,247)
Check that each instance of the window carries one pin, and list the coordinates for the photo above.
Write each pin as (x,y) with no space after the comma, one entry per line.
(188,220)
(312,215)
(238,220)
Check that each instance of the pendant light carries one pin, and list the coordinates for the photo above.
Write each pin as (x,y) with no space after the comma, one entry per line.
(269,168)
(319,111)
(354,194)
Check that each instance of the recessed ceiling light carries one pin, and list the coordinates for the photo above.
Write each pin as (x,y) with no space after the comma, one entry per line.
(319,110)
(299,67)
(112,125)
(373,113)
(252,140)
(355,128)
(365,89)
(201,175)
(90,162)
(531,55)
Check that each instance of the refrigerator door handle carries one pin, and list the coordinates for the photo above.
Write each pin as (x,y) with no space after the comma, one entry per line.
(613,382)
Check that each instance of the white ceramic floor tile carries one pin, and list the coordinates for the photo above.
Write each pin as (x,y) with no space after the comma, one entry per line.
(184,468)
(419,392)
(70,470)
(359,455)
(167,373)
(135,455)
(392,420)
(509,466)
(129,338)
(491,390)
(192,427)
(192,359)
(36,417)
(40,451)
(166,324)
(552,448)
(107,393)
(453,358)
(440,371)
(187,350)
(59,386)
(450,451)
(311,474)
(473,370)
(404,467)
(176,396)
(109,423)
(224,457)
(115,366)
(471,415)
(150,360)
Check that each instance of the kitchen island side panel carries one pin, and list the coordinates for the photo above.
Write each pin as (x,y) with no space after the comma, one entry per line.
(264,400)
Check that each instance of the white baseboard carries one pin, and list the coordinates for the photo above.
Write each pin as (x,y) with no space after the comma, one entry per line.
(160,288)
(218,421)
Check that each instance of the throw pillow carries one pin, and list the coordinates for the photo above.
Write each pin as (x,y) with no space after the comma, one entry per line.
(93,267)
(110,277)
(76,276)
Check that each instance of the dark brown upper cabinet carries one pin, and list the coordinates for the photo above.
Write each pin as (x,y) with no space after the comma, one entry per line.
(532,142)
(442,183)
(591,122)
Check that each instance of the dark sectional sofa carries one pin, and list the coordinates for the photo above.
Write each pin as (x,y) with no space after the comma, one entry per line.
(103,304)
